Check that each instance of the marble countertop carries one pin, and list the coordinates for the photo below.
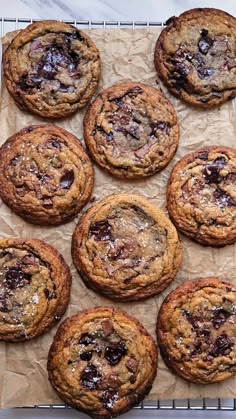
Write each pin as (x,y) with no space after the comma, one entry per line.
(123,10)
(140,10)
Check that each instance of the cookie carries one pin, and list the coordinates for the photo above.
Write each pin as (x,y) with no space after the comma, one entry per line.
(201,196)
(34,288)
(195,57)
(45,175)
(196,330)
(131,130)
(51,69)
(125,248)
(102,362)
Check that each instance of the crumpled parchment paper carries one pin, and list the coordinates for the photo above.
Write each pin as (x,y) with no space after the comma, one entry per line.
(126,55)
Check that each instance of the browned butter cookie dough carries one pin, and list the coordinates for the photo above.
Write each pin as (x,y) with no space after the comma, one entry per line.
(201,196)
(102,362)
(131,130)
(126,248)
(195,56)
(45,175)
(196,330)
(51,69)
(34,288)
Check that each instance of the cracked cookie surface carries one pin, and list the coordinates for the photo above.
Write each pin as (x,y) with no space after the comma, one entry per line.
(34,288)
(201,195)
(131,130)
(195,56)
(51,69)
(196,330)
(45,175)
(125,248)
(102,362)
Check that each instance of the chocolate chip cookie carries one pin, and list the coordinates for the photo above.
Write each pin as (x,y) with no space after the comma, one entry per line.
(131,130)
(34,288)
(102,362)
(51,69)
(45,175)
(201,196)
(195,56)
(196,330)
(126,249)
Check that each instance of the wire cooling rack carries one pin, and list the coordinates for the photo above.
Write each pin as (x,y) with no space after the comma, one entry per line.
(11,24)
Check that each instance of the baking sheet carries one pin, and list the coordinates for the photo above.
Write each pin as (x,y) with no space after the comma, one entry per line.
(126,55)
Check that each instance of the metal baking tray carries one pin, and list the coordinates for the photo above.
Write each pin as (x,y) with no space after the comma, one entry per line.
(12,24)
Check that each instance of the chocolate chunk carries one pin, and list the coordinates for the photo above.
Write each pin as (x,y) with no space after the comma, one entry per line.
(135,91)
(142,151)
(162,126)
(129,278)
(21,190)
(193,320)
(86,339)
(47,203)
(90,377)
(34,80)
(132,364)
(132,379)
(16,278)
(63,88)
(222,346)
(197,348)
(122,251)
(107,327)
(46,292)
(42,177)
(5,253)
(203,155)
(134,132)
(230,178)
(75,35)
(3,305)
(231,64)
(15,160)
(114,352)
(86,356)
(54,57)
(181,72)
(38,192)
(121,117)
(54,143)
(113,381)
(109,398)
(205,72)
(219,317)
(119,102)
(205,42)
(67,179)
(211,171)
(24,84)
(108,136)
(200,65)
(204,332)
(101,231)
(223,199)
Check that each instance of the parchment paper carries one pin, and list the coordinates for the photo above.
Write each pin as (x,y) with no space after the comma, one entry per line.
(126,55)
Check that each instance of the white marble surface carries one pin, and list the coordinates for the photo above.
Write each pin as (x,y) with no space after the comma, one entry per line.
(124,10)
(141,10)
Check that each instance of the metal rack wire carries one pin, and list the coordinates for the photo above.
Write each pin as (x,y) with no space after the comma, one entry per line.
(11,24)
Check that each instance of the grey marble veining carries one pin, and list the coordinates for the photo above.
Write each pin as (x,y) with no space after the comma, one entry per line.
(141,10)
